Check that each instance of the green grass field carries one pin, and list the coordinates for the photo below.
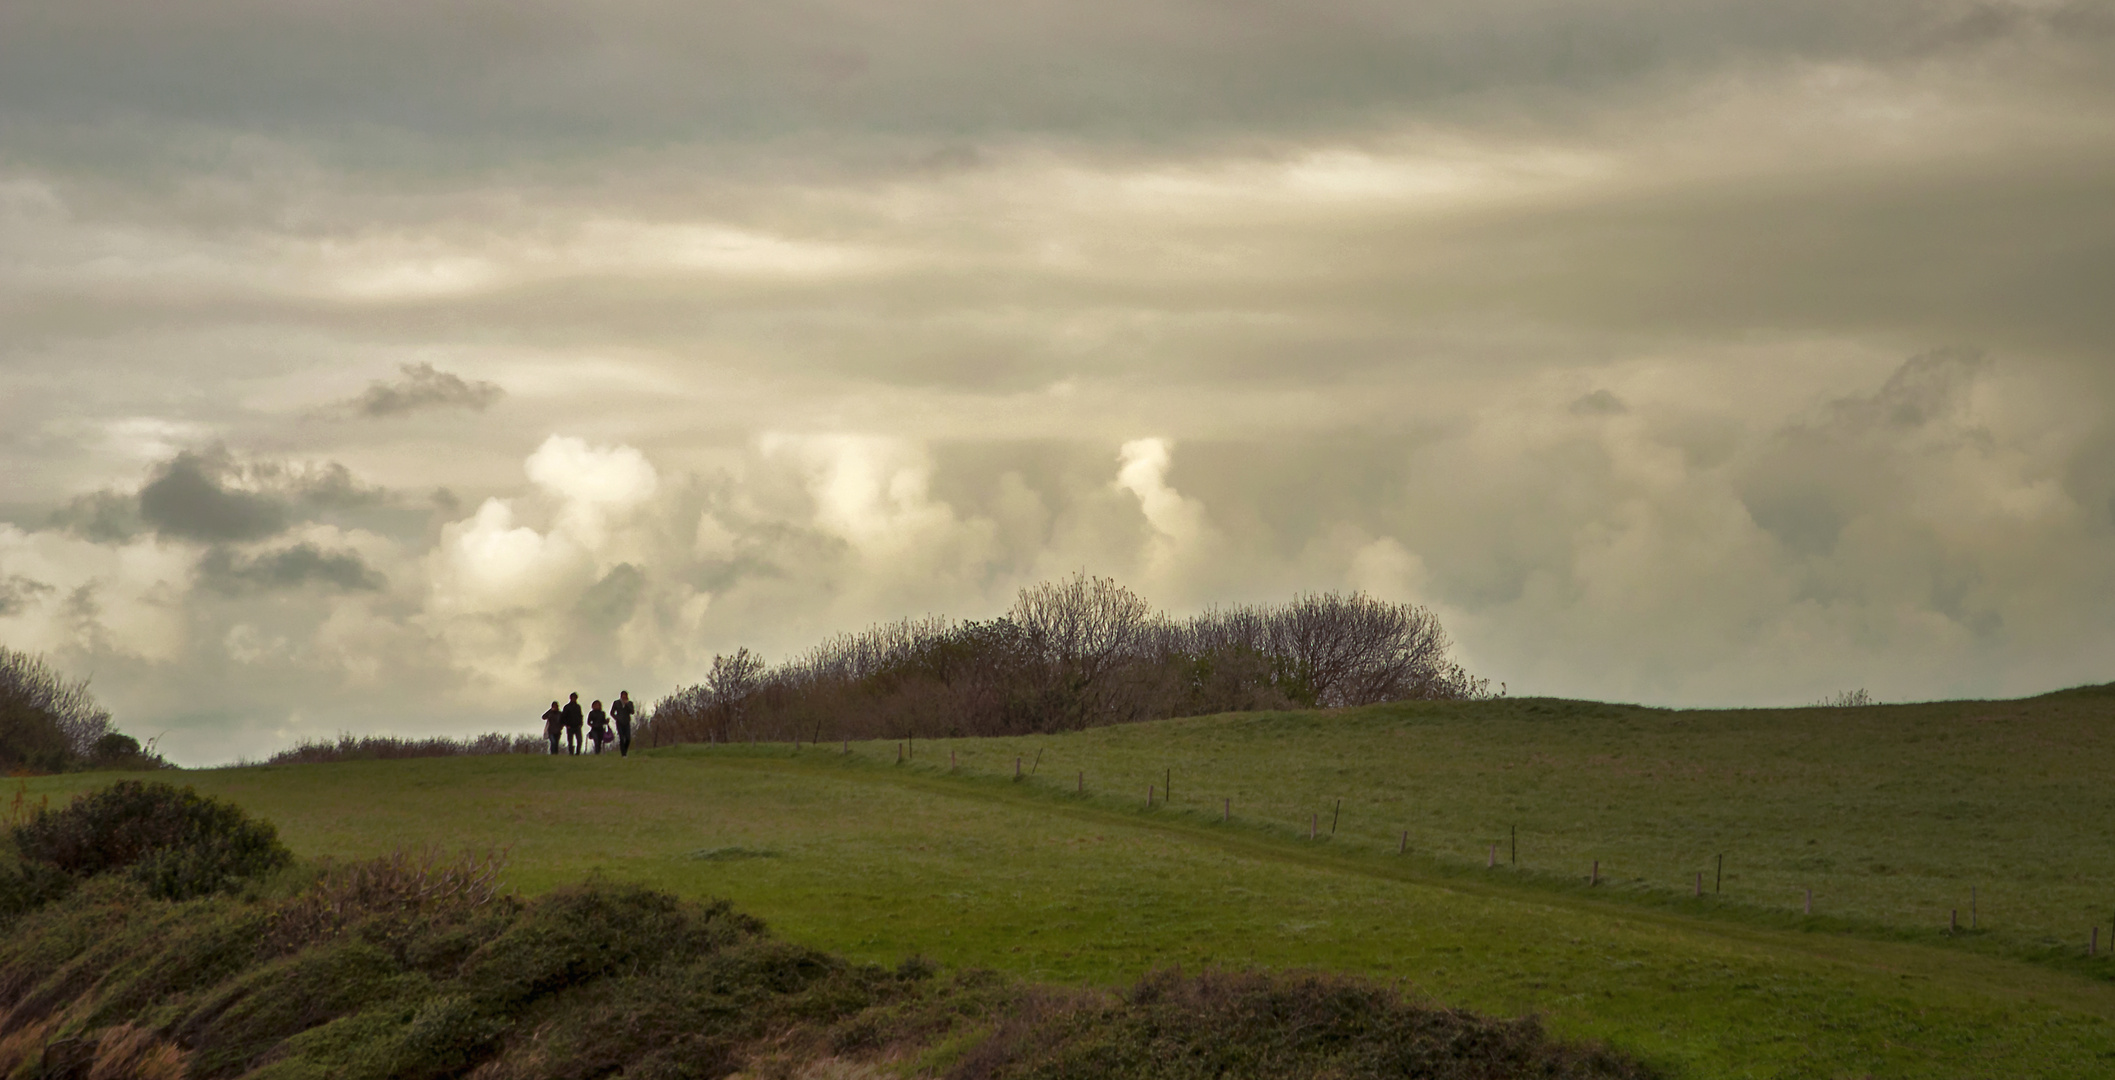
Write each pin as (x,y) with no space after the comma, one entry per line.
(1889,814)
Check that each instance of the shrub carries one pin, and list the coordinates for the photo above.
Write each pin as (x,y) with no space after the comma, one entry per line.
(1071,654)
(611,980)
(174,841)
(390,747)
(1221,1024)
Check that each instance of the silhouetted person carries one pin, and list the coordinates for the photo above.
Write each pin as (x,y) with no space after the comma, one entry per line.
(598,726)
(553,723)
(572,723)
(621,712)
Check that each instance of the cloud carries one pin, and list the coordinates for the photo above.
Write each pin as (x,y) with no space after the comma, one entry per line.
(1599,403)
(18,592)
(303,564)
(422,388)
(106,517)
(1585,323)
(191,498)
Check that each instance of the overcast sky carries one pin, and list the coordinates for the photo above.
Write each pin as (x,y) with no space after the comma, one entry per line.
(400,366)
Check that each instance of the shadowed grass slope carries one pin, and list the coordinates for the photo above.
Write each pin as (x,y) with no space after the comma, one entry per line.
(411,982)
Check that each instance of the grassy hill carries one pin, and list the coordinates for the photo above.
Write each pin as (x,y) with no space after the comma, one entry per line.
(1889,814)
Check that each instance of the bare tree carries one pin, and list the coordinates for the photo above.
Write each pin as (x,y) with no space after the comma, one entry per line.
(733,680)
(46,720)
(1069,654)
(1082,628)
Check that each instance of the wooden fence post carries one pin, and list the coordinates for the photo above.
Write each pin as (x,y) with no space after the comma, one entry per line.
(1595,879)
(1404,847)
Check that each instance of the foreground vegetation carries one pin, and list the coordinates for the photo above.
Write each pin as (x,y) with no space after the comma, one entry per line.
(1910,806)
(403,969)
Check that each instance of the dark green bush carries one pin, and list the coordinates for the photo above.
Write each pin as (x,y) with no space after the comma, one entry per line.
(176,842)
(1253,1024)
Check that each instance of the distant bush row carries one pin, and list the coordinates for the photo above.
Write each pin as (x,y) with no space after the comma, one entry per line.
(51,724)
(382,747)
(1071,654)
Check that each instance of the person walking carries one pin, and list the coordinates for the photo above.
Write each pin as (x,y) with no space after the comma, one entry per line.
(572,723)
(553,723)
(621,711)
(598,726)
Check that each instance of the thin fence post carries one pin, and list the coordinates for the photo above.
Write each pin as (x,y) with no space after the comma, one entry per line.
(899,753)
(1595,879)
(1227,814)
(1700,883)
(1492,863)
(1810,901)
(1953,921)
(1404,847)
(1149,796)
(2093,942)
(1083,781)
(1718,881)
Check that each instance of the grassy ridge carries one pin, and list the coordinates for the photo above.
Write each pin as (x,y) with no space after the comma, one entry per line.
(1889,814)
(862,857)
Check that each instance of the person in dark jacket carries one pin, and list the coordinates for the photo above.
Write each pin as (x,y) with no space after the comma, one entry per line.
(553,723)
(572,724)
(598,726)
(621,711)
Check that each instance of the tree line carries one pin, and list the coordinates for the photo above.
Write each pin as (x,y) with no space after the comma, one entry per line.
(49,723)
(1071,654)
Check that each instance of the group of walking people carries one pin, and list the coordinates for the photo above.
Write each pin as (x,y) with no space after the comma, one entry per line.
(567,723)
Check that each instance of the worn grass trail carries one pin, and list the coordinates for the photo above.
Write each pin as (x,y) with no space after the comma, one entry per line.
(856,855)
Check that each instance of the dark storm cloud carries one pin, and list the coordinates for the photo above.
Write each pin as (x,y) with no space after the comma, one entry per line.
(211,497)
(229,573)
(423,387)
(190,498)
(508,73)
